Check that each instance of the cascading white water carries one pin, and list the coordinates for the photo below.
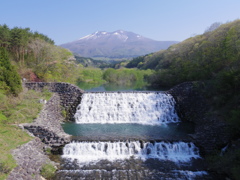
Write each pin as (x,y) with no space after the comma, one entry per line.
(143,108)
(95,151)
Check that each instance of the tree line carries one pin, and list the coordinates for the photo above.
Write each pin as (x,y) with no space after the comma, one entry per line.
(35,56)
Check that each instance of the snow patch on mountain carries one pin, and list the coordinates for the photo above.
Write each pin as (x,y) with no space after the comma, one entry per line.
(120,34)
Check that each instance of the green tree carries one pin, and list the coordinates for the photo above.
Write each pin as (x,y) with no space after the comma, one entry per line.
(9,78)
(4,36)
(18,43)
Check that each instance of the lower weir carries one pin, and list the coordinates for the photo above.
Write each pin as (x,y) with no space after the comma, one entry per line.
(95,151)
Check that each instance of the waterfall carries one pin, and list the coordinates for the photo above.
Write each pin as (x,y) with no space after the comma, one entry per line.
(143,108)
(95,151)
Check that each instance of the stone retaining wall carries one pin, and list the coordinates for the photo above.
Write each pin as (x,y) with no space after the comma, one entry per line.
(46,129)
(70,95)
(47,126)
(210,130)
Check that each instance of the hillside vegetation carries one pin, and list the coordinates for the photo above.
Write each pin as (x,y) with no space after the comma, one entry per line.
(35,56)
(212,58)
(202,57)
(10,82)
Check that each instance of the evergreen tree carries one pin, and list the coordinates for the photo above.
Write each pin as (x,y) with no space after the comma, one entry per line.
(10,81)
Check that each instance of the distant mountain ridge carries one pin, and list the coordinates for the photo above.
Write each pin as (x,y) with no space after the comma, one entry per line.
(117,44)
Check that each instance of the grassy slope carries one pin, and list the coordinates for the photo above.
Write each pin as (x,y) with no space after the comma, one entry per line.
(16,110)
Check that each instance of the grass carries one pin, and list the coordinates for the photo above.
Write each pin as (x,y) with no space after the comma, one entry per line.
(48,171)
(25,108)
(13,111)
(10,138)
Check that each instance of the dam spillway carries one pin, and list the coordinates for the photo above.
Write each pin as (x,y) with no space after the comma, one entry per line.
(140,158)
(153,108)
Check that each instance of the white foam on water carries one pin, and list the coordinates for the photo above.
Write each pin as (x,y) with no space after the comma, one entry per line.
(174,174)
(190,175)
(143,108)
(95,151)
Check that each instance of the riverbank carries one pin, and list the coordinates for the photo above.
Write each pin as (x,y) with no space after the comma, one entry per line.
(46,130)
(16,110)
(47,133)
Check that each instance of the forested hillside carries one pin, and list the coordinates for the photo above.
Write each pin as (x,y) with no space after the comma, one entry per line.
(29,55)
(202,57)
(35,56)
(213,59)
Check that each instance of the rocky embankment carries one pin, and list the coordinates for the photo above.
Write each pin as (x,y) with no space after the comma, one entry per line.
(46,130)
(30,158)
(210,130)
(69,94)
(47,126)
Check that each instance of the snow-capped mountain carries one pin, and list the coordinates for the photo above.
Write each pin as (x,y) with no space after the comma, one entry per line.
(120,35)
(117,44)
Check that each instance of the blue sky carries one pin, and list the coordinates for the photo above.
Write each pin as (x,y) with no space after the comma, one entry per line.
(66,21)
